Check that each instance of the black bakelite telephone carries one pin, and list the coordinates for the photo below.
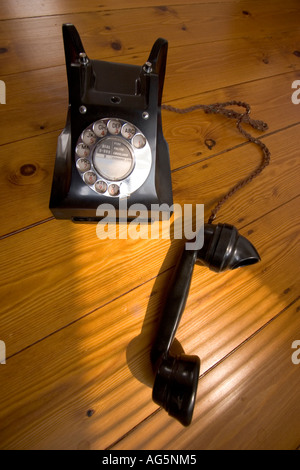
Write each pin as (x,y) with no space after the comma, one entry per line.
(113,148)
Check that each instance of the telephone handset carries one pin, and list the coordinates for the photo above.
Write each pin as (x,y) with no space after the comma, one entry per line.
(176,377)
(112,147)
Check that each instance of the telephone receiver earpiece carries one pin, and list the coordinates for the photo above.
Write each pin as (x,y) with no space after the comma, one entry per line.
(176,377)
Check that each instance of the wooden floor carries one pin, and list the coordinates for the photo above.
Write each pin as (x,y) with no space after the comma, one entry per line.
(77,313)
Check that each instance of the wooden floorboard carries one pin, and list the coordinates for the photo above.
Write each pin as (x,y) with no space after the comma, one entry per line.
(271,102)
(101,362)
(231,411)
(78,314)
(57,272)
(23,9)
(250,37)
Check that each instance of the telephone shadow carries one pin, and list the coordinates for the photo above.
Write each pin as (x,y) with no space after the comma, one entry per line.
(138,350)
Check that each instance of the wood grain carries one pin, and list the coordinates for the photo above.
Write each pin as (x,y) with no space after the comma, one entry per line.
(21,8)
(93,359)
(243,403)
(114,35)
(49,270)
(77,314)
(28,177)
(66,259)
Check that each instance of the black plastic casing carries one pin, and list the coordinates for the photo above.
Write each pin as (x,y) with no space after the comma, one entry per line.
(109,89)
(176,377)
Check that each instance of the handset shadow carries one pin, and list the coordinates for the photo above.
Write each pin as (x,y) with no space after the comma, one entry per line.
(138,350)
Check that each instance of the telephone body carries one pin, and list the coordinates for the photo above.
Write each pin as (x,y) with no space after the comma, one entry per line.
(112,146)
